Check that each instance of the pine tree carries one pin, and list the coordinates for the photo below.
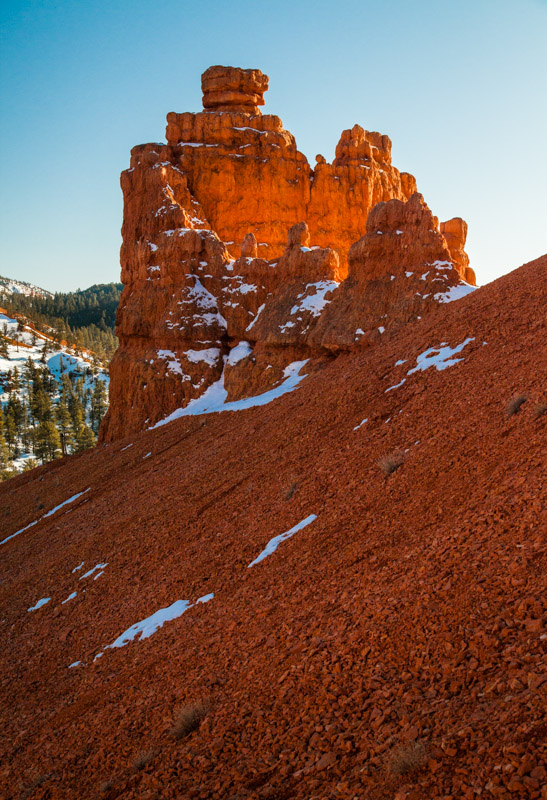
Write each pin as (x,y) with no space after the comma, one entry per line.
(4,352)
(10,432)
(77,415)
(86,438)
(48,443)
(4,451)
(64,425)
(41,406)
(98,404)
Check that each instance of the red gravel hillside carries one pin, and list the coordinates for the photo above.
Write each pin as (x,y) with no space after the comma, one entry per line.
(394,647)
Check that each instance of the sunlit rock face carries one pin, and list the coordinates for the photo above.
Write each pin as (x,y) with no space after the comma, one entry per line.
(229,235)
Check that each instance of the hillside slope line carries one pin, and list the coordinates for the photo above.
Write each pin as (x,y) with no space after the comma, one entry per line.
(343,632)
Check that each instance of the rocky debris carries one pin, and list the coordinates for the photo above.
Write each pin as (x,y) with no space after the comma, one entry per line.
(409,618)
(233,89)
(206,263)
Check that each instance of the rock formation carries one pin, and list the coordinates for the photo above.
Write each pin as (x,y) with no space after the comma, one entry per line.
(455,232)
(229,236)
(233,89)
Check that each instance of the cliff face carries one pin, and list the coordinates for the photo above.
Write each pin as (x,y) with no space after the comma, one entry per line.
(230,236)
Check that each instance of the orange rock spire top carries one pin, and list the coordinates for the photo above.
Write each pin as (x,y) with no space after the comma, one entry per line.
(233,89)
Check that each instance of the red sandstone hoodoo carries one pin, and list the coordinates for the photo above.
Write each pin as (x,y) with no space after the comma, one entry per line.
(230,236)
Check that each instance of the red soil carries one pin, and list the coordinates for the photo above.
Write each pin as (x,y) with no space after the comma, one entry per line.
(413,610)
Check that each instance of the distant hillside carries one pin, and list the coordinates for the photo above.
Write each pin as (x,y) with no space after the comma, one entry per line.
(22,287)
(85,317)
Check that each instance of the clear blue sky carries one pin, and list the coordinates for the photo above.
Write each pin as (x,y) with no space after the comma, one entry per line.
(460,87)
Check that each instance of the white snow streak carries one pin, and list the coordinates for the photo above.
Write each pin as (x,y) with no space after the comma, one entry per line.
(146,627)
(49,513)
(40,603)
(214,399)
(94,569)
(274,543)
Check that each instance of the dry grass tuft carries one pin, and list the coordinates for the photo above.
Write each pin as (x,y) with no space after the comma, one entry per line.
(143,759)
(405,758)
(514,404)
(390,462)
(188,719)
(540,410)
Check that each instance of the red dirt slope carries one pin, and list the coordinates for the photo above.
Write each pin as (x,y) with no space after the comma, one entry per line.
(409,618)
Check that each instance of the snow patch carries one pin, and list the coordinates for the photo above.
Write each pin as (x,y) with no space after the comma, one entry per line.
(258,313)
(439,357)
(238,353)
(313,297)
(213,400)
(454,293)
(39,604)
(94,569)
(147,627)
(274,543)
(209,356)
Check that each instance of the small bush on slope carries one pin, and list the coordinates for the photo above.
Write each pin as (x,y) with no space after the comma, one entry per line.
(390,462)
(407,758)
(513,406)
(188,719)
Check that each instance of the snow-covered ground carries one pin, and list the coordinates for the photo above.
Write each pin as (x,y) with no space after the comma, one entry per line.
(32,346)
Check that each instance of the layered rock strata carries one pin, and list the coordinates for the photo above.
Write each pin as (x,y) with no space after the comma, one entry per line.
(230,239)
(233,89)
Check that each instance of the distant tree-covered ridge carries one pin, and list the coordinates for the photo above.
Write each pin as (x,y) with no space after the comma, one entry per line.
(85,317)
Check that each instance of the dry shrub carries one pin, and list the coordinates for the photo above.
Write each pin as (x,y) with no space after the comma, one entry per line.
(390,462)
(406,758)
(143,759)
(188,719)
(540,410)
(514,404)
(291,490)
